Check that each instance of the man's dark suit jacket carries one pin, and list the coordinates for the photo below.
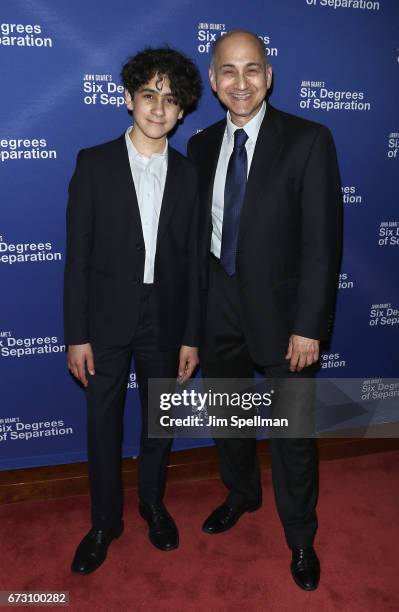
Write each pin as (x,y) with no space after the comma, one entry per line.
(290,230)
(105,251)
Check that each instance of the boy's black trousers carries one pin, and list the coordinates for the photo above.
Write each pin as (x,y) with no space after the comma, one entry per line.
(106,394)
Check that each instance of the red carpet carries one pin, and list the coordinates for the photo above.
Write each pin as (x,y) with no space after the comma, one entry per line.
(244,569)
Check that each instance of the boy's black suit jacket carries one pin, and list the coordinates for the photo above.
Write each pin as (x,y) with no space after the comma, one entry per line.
(105,251)
(290,230)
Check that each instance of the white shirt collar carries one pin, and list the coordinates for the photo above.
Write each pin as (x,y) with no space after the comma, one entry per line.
(251,128)
(135,153)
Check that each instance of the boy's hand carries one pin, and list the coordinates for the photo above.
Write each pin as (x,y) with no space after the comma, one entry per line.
(188,361)
(80,356)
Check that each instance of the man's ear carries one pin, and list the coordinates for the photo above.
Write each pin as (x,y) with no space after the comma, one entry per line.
(128,100)
(180,115)
(212,77)
(269,76)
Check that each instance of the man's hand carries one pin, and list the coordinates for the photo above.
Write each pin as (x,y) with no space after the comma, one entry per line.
(80,356)
(188,361)
(302,352)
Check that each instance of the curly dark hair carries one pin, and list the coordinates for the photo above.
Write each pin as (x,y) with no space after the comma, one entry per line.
(184,76)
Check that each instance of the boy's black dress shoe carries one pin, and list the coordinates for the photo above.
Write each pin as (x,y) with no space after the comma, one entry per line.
(225,517)
(305,568)
(162,528)
(92,550)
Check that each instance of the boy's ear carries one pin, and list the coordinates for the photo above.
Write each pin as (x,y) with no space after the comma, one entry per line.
(128,100)
(181,114)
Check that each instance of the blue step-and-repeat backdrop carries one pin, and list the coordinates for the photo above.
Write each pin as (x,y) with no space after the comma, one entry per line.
(335,61)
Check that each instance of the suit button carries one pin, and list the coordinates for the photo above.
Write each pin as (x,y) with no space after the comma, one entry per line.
(139,246)
(137,280)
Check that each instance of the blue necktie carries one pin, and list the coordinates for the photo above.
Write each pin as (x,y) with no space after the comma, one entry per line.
(234,193)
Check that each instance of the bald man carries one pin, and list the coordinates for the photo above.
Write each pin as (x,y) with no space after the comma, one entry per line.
(271,219)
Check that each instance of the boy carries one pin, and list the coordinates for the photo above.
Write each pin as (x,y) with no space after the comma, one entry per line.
(131,287)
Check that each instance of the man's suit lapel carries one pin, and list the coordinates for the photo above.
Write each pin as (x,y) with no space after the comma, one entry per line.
(125,185)
(268,145)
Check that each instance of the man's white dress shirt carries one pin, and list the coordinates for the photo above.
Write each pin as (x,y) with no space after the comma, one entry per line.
(252,130)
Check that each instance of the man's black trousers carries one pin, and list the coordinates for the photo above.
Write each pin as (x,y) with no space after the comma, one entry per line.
(224,354)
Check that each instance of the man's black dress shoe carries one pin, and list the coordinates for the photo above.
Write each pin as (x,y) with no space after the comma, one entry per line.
(162,529)
(225,517)
(305,568)
(92,550)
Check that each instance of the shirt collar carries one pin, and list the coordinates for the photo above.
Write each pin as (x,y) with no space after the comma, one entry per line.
(251,128)
(133,152)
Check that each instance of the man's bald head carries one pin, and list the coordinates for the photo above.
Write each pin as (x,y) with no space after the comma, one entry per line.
(239,35)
